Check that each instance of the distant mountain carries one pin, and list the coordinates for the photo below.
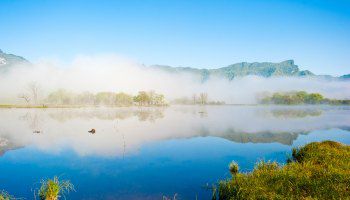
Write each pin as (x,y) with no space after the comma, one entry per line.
(264,69)
(9,60)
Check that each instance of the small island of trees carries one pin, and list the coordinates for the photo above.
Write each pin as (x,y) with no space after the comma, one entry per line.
(299,97)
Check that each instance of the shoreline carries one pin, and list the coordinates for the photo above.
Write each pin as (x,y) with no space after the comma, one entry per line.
(19,106)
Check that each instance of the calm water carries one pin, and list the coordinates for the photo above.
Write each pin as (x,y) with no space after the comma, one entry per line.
(147,153)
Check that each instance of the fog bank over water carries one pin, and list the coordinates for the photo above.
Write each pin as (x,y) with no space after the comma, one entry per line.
(118,74)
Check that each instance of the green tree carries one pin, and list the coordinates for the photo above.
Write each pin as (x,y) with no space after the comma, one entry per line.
(277,98)
(123,99)
(314,98)
(149,98)
(158,99)
(142,98)
(299,97)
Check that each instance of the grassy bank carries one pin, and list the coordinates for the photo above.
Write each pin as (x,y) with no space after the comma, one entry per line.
(319,170)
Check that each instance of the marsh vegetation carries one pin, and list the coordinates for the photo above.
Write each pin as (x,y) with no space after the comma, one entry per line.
(319,170)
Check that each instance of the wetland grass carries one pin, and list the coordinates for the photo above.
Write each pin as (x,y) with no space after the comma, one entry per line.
(319,170)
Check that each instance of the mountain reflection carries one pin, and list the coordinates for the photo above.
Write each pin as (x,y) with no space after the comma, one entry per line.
(121,131)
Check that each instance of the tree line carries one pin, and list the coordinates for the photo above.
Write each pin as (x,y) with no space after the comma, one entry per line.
(300,97)
(65,97)
(143,98)
(33,96)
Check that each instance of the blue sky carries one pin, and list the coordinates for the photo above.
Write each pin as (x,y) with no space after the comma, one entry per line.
(204,34)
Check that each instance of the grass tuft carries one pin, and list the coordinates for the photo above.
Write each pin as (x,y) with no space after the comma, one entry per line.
(53,189)
(6,196)
(233,167)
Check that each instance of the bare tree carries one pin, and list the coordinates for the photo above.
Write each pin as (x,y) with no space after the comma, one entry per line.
(203,98)
(24,96)
(34,88)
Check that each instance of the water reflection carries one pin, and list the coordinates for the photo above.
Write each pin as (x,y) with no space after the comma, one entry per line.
(143,114)
(148,153)
(293,113)
(122,131)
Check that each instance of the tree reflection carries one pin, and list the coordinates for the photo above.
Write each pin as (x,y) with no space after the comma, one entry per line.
(123,130)
(142,114)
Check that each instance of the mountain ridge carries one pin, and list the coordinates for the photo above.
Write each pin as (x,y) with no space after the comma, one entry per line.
(285,68)
(9,60)
(263,69)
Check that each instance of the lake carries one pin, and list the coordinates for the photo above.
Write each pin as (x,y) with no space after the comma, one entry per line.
(151,152)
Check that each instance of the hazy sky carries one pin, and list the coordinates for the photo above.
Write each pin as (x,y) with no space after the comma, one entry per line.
(316,34)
